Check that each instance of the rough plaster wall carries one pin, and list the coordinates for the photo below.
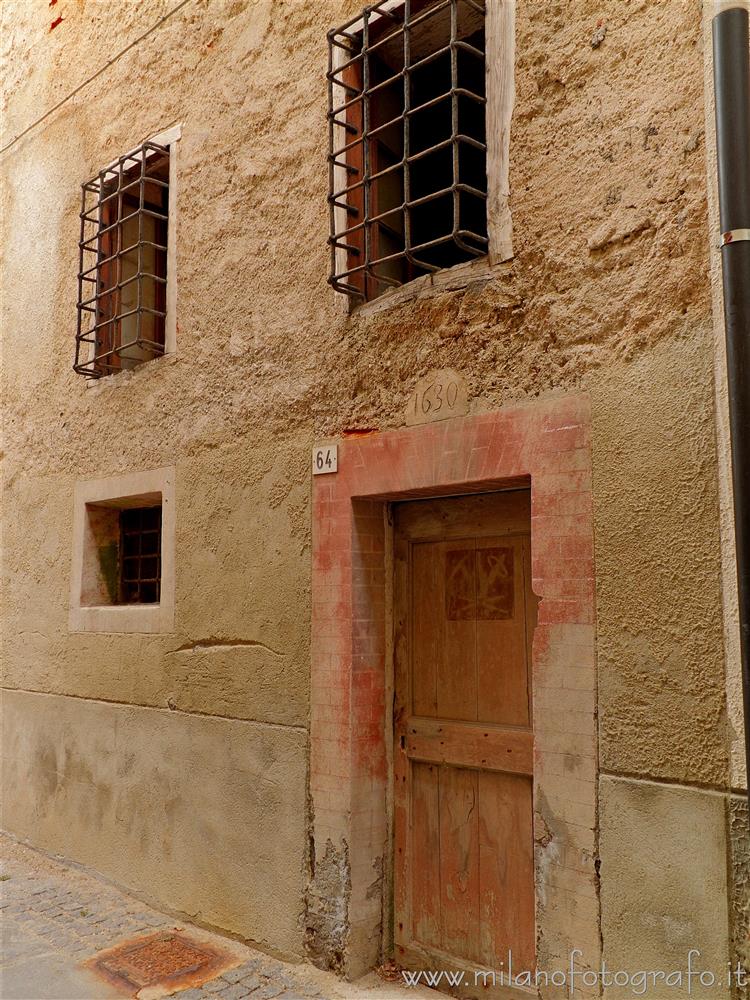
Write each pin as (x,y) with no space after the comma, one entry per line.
(235,655)
(661,683)
(607,292)
(31,86)
(241,641)
(581,124)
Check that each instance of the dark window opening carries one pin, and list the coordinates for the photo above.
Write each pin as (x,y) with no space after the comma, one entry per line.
(407,162)
(140,555)
(123,264)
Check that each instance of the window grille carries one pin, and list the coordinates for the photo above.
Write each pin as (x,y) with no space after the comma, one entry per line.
(123,263)
(140,555)
(407,155)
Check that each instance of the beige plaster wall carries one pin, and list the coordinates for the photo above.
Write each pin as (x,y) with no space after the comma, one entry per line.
(233,674)
(607,293)
(240,645)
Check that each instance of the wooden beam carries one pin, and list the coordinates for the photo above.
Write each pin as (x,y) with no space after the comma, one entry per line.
(470,745)
(500,55)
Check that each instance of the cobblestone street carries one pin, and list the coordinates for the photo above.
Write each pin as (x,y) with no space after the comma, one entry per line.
(56,918)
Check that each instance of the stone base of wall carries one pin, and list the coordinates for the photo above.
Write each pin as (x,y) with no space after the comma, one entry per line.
(201,815)
(664,884)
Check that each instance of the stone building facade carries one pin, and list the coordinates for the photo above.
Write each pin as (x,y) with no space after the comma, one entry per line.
(228,751)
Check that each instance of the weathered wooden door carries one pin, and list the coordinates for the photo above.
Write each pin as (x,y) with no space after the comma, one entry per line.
(464,613)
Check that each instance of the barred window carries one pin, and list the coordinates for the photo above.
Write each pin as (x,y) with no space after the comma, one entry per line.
(123,263)
(407,159)
(140,555)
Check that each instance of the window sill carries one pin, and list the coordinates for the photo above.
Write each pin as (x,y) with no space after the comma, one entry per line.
(119,379)
(147,618)
(450,279)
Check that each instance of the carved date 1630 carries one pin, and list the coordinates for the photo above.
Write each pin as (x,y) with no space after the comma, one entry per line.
(437,396)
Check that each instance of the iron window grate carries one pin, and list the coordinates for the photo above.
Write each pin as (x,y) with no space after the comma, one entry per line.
(140,555)
(123,263)
(407,144)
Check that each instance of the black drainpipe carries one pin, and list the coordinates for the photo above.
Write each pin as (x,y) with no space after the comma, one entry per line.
(732,89)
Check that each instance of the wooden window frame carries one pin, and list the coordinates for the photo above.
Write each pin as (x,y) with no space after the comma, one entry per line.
(119,208)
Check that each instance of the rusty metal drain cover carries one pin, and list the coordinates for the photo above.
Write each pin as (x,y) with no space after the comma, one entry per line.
(165,958)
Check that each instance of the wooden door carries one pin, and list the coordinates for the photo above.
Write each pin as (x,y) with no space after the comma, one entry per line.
(464,614)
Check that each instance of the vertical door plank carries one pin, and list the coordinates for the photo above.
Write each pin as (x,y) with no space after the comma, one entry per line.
(401,768)
(531,605)
(425,853)
(502,651)
(506,870)
(457,668)
(459,861)
(427,632)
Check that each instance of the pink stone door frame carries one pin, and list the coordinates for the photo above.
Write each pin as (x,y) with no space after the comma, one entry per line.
(546,444)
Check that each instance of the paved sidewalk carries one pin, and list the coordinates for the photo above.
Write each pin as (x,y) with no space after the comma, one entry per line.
(56,917)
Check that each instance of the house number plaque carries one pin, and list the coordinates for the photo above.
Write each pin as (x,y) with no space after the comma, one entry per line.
(325,459)
(437,396)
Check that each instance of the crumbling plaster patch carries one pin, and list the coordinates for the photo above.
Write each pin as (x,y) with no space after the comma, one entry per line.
(327,908)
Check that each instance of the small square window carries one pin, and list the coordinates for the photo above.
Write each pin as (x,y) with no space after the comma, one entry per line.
(123,554)
(122,560)
(408,152)
(122,280)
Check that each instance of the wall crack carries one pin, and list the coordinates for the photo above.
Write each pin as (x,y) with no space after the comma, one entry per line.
(197,645)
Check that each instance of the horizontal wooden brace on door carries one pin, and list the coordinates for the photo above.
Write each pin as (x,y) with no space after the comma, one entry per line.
(466,744)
